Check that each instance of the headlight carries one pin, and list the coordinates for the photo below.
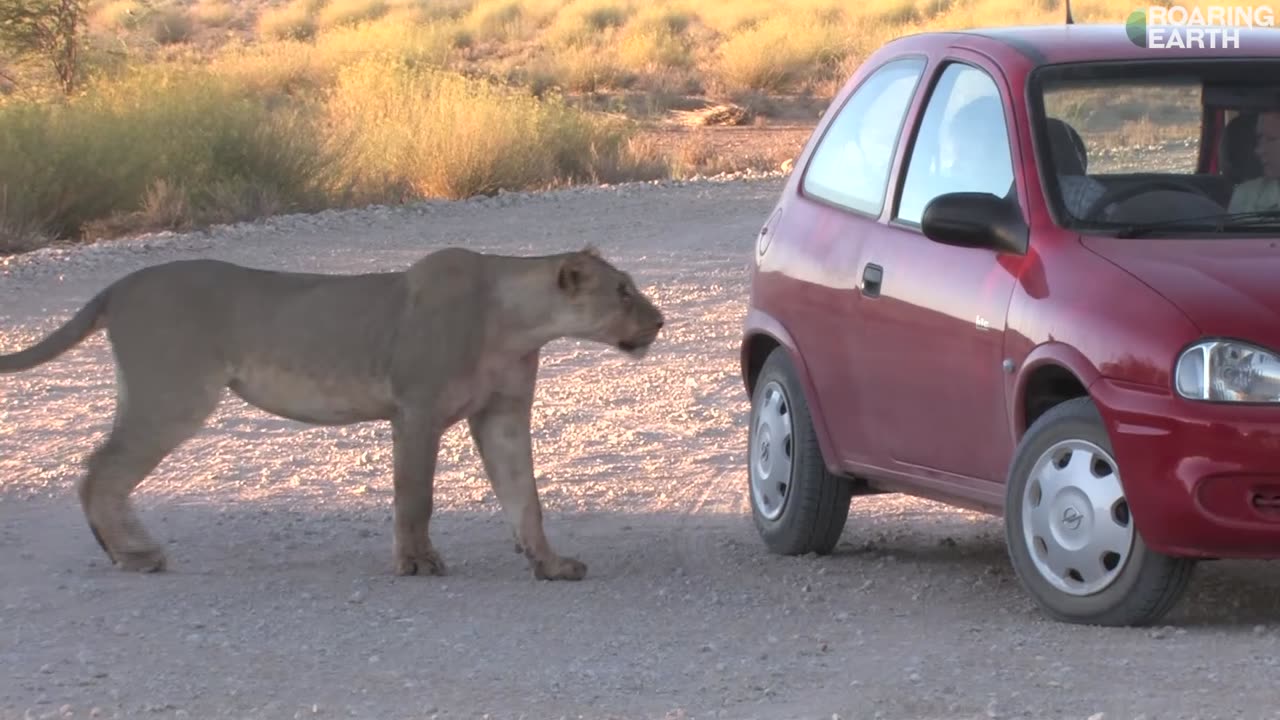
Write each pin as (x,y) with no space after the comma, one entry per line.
(1228,371)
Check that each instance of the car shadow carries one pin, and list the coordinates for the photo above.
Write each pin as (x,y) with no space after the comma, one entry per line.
(1230,594)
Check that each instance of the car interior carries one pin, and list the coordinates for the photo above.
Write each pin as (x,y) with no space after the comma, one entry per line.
(1227,158)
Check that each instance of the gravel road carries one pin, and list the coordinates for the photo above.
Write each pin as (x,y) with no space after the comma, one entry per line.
(280,601)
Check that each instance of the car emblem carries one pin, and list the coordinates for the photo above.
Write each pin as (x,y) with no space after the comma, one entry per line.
(1071,518)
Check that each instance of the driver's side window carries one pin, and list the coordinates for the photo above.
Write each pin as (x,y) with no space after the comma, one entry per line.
(962,144)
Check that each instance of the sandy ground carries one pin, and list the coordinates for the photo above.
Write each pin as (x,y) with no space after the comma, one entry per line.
(280,601)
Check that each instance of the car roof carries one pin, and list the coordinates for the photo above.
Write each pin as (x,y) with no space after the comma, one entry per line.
(1064,43)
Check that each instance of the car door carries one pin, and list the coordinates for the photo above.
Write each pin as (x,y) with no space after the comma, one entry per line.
(841,197)
(933,315)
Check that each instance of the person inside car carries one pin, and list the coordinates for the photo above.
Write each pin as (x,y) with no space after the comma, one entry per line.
(1262,193)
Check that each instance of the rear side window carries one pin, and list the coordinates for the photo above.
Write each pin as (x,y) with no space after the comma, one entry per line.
(850,166)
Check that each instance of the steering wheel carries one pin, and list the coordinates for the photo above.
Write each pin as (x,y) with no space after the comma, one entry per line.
(1124,192)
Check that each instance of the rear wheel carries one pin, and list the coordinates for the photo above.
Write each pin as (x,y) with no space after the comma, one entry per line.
(798,506)
(1070,533)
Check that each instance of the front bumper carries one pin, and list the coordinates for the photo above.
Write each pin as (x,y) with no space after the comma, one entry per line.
(1202,480)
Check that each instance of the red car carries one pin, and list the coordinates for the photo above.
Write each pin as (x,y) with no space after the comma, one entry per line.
(1033,272)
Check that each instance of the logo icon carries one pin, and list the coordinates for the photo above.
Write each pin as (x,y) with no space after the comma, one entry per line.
(1136,28)
(1071,518)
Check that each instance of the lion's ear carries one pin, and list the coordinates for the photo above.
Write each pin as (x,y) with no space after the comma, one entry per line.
(570,277)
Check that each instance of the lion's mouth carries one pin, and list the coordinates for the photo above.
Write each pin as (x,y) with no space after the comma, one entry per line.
(636,345)
(634,348)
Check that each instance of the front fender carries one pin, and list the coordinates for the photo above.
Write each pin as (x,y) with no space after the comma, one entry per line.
(1047,354)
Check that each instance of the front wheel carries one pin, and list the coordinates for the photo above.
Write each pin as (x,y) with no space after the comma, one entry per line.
(798,506)
(1069,530)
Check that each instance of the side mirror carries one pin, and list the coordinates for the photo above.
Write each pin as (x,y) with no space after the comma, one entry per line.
(975,220)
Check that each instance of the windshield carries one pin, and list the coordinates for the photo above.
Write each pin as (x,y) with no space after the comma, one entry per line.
(1162,148)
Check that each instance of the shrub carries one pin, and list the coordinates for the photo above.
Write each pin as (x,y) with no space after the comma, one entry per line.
(408,130)
(351,12)
(117,15)
(295,21)
(214,13)
(778,54)
(495,20)
(583,69)
(157,139)
(649,49)
(301,68)
(170,25)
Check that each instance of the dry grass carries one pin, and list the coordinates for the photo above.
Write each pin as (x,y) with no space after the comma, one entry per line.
(176,146)
(426,133)
(651,47)
(697,155)
(496,21)
(115,15)
(295,21)
(803,46)
(780,54)
(582,22)
(584,69)
(215,13)
(350,12)
(299,68)
(99,156)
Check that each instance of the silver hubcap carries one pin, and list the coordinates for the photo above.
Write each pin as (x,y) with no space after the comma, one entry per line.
(1075,520)
(771,452)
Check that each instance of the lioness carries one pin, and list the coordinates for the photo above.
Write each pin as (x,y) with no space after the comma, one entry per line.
(455,335)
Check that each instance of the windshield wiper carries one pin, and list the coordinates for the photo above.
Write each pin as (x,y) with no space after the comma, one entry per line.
(1219,222)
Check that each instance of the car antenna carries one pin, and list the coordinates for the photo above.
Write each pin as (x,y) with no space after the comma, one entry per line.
(1070,20)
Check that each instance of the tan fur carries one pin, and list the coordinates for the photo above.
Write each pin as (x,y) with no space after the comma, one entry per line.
(455,336)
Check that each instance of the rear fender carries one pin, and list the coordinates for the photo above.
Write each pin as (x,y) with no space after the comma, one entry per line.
(761,328)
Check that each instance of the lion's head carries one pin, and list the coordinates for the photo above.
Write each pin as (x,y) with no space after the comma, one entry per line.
(601,303)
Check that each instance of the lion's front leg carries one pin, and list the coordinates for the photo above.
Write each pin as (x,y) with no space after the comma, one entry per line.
(501,435)
(417,446)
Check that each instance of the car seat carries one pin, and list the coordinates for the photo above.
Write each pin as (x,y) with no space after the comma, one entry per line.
(1237,150)
(1066,147)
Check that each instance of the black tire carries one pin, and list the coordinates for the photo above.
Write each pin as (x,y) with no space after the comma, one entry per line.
(1147,585)
(815,505)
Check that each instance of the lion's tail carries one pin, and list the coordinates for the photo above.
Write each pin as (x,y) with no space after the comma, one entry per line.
(72,332)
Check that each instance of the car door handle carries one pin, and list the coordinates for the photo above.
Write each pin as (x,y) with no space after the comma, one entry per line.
(872,274)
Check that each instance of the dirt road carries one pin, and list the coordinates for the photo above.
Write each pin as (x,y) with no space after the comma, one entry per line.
(280,602)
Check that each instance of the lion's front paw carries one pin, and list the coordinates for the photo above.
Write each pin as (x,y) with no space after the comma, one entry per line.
(144,561)
(422,563)
(559,568)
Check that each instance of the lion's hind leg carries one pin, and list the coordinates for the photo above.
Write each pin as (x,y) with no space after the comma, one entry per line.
(417,444)
(153,417)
